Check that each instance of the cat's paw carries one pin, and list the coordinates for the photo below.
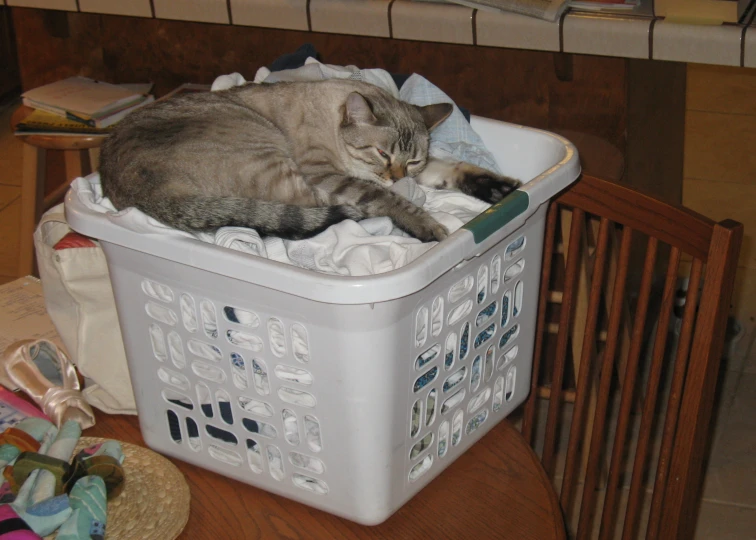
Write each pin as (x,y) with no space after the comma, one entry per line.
(429,230)
(488,187)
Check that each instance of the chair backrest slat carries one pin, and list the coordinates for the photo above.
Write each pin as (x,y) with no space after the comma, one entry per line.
(609,514)
(528,421)
(635,497)
(595,455)
(588,351)
(675,396)
(681,497)
(565,320)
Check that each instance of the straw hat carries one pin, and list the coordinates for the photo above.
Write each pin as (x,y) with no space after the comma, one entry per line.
(154,504)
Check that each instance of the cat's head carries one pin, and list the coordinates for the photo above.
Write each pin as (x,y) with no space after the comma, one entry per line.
(386,139)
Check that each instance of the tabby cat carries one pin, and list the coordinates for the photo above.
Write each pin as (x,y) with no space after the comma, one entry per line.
(287,159)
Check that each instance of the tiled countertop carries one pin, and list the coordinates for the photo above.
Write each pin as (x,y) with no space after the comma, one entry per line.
(628,37)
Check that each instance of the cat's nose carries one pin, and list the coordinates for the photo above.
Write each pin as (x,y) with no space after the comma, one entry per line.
(398,172)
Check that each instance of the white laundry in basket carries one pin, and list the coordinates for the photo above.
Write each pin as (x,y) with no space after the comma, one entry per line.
(369,247)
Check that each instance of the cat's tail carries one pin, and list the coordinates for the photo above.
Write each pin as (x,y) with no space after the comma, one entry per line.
(206,214)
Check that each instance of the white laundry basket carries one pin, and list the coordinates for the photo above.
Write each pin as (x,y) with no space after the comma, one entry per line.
(347,394)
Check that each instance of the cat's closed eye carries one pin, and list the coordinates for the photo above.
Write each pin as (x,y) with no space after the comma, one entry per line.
(381,153)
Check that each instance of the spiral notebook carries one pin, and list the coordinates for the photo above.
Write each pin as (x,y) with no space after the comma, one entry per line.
(43,122)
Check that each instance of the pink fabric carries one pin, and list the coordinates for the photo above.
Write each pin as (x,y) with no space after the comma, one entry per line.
(21,405)
(74,240)
(7,513)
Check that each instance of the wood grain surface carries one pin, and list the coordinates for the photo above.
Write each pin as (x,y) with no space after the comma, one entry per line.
(497,489)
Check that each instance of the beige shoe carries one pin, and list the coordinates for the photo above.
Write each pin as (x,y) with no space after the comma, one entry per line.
(45,373)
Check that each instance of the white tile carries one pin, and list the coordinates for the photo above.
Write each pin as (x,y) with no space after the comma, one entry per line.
(725,522)
(732,464)
(447,23)
(749,56)
(516,31)
(133,8)
(742,407)
(744,310)
(361,17)
(697,43)
(287,14)
(606,36)
(727,386)
(66,5)
(624,495)
(212,11)
(750,364)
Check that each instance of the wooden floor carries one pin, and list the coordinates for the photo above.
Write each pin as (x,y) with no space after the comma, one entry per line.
(728,511)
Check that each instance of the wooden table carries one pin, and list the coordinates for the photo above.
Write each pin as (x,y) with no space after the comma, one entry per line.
(497,489)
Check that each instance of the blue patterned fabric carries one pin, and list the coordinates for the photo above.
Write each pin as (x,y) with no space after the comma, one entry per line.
(454,138)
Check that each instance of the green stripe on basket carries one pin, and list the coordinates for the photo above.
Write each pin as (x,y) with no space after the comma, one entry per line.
(498,215)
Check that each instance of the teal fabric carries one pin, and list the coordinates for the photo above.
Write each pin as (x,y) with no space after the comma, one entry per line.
(45,517)
(62,448)
(23,499)
(88,500)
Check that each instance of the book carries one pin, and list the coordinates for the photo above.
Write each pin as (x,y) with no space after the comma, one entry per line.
(549,10)
(83,99)
(43,122)
(118,115)
(106,120)
(711,12)
(604,5)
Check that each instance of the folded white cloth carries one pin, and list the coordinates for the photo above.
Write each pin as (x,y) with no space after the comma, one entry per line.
(224,82)
(313,70)
(241,239)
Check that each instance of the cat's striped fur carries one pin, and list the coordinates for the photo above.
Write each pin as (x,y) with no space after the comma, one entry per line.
(288,159)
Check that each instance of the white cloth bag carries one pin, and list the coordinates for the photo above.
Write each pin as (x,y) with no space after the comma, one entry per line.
(79,300)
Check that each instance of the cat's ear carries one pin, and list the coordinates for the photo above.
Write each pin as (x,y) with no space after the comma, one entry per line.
(357,110)
(434,114)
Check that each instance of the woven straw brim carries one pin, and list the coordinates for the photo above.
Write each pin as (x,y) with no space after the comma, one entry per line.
(154,504)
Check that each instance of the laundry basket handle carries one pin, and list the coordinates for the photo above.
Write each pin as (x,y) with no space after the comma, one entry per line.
(497,216)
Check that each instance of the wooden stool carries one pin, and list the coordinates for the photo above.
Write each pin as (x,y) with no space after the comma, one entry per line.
(33,200)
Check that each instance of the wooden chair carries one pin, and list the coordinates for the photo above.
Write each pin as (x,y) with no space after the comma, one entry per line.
(671,394)
(34,201)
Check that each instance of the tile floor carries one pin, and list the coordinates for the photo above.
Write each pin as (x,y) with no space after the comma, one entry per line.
(728,510)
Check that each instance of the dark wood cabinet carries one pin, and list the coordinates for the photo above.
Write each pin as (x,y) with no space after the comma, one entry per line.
(10,82)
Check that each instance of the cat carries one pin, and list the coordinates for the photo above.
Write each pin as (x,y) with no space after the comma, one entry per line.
(287,159)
